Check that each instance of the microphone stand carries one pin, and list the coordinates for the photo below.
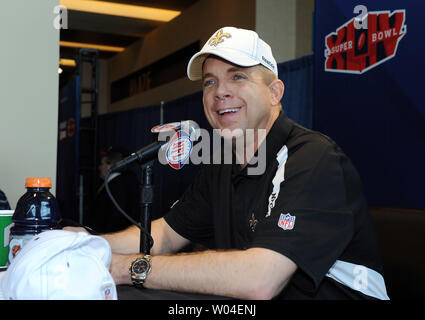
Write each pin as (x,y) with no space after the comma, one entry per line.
(146,202)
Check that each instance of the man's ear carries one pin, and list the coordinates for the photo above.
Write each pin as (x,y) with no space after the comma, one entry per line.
(277,88)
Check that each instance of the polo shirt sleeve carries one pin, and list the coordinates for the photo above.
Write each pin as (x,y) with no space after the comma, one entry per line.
(191,215)
(314,194)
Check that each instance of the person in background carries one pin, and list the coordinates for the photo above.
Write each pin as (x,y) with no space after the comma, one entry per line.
(105,217)
(4,204)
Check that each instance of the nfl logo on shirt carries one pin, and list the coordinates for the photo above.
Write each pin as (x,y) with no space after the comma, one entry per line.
(286,221)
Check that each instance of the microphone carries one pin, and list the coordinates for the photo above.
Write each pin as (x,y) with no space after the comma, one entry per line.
(143,155)
(169,135)
(166,132)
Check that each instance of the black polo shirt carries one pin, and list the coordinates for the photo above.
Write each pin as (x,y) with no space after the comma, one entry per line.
(308,206)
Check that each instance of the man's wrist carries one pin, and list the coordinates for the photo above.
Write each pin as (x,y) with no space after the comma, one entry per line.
(119,267)
(140,269)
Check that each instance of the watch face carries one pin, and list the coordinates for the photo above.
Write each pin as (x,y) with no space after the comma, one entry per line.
(140,266)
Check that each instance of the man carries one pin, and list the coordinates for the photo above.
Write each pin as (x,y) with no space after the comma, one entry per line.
(300,230)
(123,185)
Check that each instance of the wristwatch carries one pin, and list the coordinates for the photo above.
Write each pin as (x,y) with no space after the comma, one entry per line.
(139,270)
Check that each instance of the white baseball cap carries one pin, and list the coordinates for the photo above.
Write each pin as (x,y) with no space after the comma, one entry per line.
(239,46)
(60,265)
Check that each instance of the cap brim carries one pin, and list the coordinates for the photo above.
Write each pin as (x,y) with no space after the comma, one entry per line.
(194,68)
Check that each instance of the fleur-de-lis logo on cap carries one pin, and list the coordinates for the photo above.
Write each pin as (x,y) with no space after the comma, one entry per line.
(218,38)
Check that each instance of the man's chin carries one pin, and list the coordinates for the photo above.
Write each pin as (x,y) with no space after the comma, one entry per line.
(232,134)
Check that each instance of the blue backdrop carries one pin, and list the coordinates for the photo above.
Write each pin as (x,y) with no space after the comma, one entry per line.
(370,96)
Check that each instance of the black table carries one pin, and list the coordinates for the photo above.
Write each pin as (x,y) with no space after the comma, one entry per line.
(127,292)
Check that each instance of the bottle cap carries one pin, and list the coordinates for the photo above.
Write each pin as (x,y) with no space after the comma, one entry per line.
(38,183)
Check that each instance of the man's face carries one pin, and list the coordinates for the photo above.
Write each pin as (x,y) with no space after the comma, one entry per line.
(103,168)
(235,97)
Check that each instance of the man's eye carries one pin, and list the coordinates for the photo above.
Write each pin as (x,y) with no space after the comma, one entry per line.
(238,77)
(208,83)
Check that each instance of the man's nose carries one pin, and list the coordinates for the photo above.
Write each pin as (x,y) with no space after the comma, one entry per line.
(223,91)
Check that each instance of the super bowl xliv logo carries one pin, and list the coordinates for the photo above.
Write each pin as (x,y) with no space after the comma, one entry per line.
(353,49)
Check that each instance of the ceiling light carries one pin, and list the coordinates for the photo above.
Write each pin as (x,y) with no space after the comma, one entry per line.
(119,9)
(100,47)
(67,62)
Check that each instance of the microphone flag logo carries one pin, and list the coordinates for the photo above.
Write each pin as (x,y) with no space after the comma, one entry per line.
(179,149)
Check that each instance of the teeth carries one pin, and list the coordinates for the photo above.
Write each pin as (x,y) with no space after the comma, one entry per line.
(220,112)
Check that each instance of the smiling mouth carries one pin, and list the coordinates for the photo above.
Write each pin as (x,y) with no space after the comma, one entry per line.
(229,110)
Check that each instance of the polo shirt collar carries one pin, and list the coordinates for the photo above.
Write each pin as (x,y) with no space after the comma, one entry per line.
(276,138)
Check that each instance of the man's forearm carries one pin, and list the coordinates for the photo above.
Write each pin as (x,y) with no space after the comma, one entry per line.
(125,241)
(128,240)
(244,274)
(207,272)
